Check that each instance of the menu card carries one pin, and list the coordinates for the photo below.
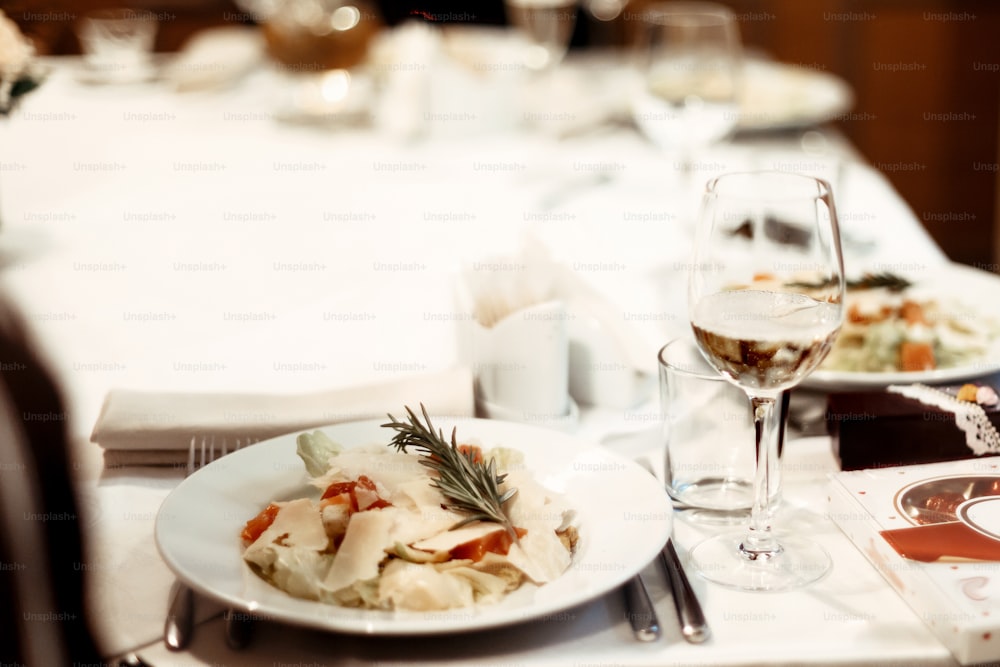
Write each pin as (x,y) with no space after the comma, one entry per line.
(933,532)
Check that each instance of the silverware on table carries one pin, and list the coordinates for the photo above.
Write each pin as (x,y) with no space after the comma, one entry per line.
(178,627)
(128,660)
(640,611)
(694,627)
(239,628)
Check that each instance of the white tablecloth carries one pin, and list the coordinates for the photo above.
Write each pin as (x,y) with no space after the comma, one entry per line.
(164,241)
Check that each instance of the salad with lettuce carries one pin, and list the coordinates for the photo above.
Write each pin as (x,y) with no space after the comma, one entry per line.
(900,331)
(380,533)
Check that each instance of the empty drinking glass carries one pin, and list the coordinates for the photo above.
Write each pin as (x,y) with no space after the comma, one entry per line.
(548,26)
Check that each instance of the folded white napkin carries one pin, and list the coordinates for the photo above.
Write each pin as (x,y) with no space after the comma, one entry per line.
(152,428)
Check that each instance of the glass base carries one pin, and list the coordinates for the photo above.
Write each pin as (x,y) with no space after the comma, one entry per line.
(703,517)
(717,500)
(799,563)
(715,493)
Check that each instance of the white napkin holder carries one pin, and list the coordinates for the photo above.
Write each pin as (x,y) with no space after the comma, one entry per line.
(521,365)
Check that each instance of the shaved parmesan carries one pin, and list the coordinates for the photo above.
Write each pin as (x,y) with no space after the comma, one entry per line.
(297,524)
(450,539)
(540,555)
(289,551)
(411,586)
(368,536)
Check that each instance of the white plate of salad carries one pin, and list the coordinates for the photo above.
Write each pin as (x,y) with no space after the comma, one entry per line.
(780,95)
(933,325)
(617,513)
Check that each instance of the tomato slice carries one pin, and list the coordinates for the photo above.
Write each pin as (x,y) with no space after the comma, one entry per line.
(257,525)
(339,499)
(912,313)
(916,356)
(342,489)
(472,451)
(366,495)
(497,542)
(338,488)
(368,491)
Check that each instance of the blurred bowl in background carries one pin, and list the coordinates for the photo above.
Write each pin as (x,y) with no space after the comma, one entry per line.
(317,35)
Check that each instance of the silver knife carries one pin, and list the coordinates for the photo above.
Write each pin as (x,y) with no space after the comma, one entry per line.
(640,611)
(694,627)
(180,617)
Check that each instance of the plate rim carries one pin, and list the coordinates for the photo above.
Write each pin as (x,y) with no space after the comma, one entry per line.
(388,623)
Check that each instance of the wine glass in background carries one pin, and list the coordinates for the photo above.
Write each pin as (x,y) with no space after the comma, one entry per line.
(547,26)
(688,57)
(766,301)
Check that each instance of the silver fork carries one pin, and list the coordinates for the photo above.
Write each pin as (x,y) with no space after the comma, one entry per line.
(179,625)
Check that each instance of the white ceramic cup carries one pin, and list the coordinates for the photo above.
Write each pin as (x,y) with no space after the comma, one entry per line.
(521,365)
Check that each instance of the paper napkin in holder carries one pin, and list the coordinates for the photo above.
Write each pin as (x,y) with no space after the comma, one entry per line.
(522,366)
(536,323)
(516,341)
(154,428)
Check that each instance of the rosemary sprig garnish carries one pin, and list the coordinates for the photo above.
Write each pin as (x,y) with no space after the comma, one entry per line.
(819,284)
(468,484)
(890,281)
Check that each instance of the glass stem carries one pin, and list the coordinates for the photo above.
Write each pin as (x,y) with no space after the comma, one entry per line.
(779,416)
(759,542)
(689,190)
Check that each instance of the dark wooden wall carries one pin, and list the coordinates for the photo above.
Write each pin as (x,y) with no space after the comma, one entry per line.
(926,74)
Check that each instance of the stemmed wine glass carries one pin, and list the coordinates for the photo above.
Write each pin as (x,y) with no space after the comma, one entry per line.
(546,30)
(688,57)
(548,26)
(766,301)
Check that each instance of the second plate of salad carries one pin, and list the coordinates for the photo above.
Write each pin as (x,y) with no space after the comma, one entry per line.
(938,325)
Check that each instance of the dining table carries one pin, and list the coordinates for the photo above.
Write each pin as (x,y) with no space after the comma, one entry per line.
(232,238)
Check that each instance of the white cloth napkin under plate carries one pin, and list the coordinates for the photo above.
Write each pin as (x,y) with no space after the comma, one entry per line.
(152,428)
